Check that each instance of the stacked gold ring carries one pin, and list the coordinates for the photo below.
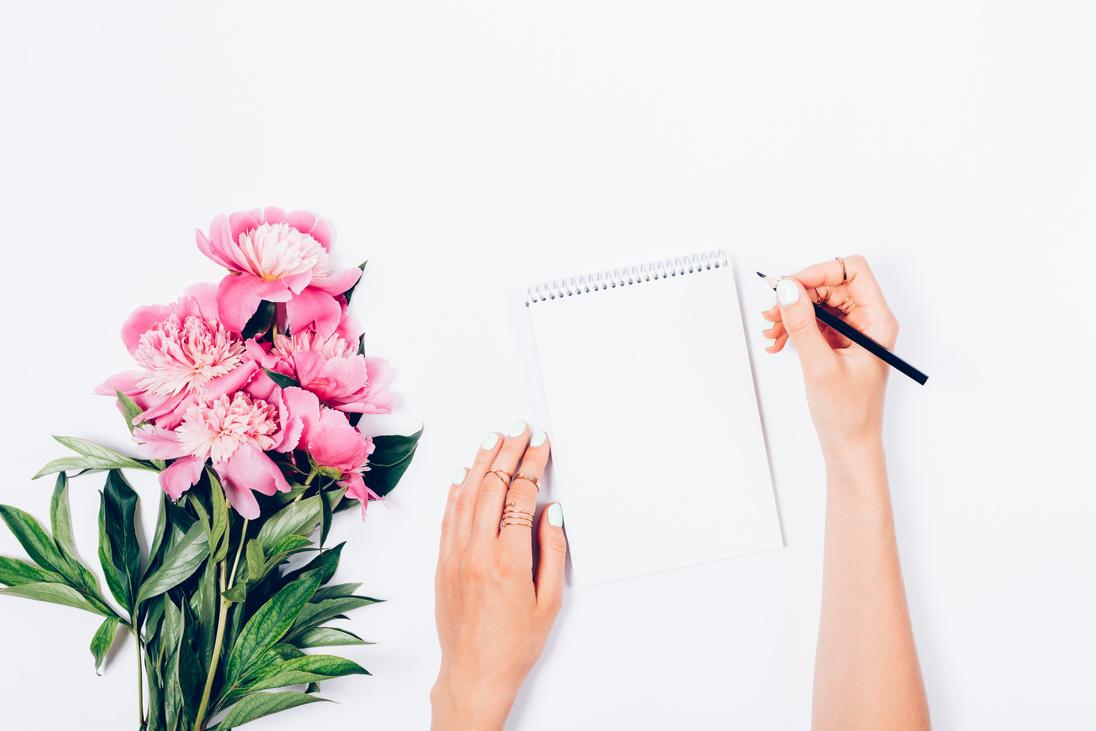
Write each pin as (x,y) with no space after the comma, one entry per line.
(512,516)
(848,301)
(844,276)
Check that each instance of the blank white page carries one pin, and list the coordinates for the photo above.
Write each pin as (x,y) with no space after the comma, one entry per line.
(656,437)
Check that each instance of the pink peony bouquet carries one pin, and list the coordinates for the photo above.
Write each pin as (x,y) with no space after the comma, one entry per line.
(246,400)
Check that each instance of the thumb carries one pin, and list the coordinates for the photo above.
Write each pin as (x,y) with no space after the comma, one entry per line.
(797,313)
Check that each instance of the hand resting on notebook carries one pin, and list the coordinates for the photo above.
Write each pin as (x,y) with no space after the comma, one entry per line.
(494,605)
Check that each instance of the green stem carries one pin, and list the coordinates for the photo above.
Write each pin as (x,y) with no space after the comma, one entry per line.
(311,476)
(140,682)
(222,616)
(239,550)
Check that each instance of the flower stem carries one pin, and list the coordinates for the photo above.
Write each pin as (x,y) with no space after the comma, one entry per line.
(239,550)
(140,683)
(222,616)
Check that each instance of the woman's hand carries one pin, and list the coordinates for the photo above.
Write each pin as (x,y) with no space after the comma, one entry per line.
(494,608)
(845,383)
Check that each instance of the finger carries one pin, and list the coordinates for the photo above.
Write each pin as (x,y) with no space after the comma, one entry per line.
(858,283)
(778,344)
(553,558)
(797,314)
(836,340)
(493,487)
(449,518)
(521,500)
(465,509)
(774,330)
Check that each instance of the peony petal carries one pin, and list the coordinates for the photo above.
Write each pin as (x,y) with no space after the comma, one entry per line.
(337,284)
(312,307)
(249,469)
(126,382)
(297,282)
(141,321)
(348,329)
(158,408)
(232,381)
(211,246)
(204,295)
(154,442)
(273,214)
(357,489)
(181,475)
(303,221)
(242,222)
(237,299)
(323,233)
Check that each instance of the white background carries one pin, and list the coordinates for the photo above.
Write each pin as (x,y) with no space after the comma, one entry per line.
(467,149)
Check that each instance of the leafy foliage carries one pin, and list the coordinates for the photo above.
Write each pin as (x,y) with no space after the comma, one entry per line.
(220,616)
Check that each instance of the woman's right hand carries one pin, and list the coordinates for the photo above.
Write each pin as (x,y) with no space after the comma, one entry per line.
(845,383)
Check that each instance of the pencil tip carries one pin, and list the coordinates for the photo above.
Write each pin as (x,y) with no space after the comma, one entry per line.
(760,275)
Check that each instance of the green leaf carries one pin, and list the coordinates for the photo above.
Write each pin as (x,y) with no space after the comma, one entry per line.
(306,669)
(299,518)
(350,292)
(155,560)
(103,639)
(77,574)
(328,637)
(282,380)
(263,704)
(269,624)
(394,448)
(125,551)
(314,615)
(180,563)
(389,461)
(130,410)
(106,559)
(334,591)
(218,545)
(62,464)
(14,572)
(327,560)
(256,560)
(39,546)
(100,457)
(325,516)
(55,594)
(260,321)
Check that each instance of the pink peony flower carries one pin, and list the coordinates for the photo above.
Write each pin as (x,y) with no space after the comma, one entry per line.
(332,369)
(181,347)
(234,432)
(340,448)
(278,257)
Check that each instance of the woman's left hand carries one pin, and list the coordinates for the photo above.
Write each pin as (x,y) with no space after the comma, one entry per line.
(493,611)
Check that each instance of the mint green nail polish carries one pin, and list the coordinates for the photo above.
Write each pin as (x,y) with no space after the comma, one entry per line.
(769,342)
(490,440)
(787,291)
(555,515)
(538,439)
(516,429)
(458,478)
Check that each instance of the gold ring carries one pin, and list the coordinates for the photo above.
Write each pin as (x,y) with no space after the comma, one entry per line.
(508,512)
(531,478)
(527,522)
(503,475)
(821,299)
(844,276)
(846,302)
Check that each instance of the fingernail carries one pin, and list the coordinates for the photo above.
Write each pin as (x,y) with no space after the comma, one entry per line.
(787,291)
(459,477)
(555,515)
(538,439)
(490,441)
(516,429)
(770,342)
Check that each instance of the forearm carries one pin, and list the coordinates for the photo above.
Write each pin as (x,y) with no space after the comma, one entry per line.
(866,669)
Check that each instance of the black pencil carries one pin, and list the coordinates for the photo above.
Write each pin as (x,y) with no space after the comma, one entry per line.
(860,339)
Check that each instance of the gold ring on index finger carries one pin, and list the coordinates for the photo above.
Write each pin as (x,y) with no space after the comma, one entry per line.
(844,275)
(822,298)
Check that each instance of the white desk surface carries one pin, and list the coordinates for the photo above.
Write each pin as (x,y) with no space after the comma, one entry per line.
(468,149)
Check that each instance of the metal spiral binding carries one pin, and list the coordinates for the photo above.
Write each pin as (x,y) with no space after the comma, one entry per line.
(614,278)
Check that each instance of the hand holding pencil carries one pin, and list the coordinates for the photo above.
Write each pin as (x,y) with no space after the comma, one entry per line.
(845,385)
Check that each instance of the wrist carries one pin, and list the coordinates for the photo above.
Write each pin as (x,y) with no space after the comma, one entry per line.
(459,707)
(856,462)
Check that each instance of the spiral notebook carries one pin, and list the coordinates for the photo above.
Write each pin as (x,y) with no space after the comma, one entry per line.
(657,448)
